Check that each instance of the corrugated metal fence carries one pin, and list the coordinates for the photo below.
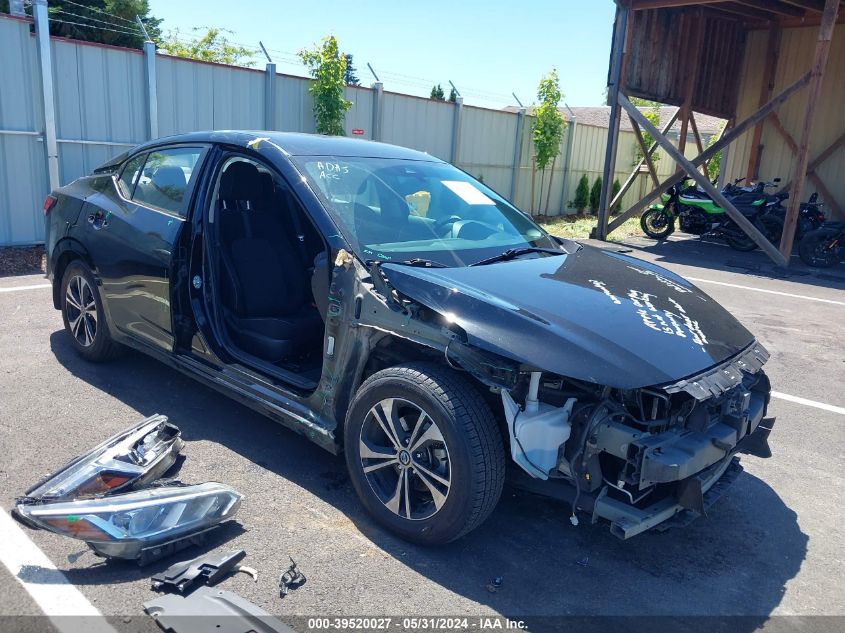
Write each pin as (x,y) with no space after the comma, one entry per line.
(103,108)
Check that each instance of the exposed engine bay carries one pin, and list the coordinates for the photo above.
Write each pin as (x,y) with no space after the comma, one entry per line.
(639,457)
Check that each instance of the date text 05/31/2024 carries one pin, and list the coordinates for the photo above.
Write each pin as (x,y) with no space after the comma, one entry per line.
(480,623)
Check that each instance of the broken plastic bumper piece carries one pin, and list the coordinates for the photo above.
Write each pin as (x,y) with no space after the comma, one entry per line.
(129,525)
(129,460)
(208,568)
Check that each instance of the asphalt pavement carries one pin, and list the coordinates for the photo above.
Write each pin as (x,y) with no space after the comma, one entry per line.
(773,545)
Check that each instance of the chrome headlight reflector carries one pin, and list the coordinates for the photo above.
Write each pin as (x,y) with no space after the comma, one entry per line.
(125,525)
(126,461)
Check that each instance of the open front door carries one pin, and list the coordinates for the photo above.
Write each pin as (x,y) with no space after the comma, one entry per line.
(137,235)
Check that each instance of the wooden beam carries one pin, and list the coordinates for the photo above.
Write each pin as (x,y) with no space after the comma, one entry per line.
(717,196)
(831,10)
(698,142)
(827,196)
(614,86)
(810,5)
(735,8)
(780,8)
(633,175)
(818,183)
(727,138)
(646,154)
(644,5)
(827,152)
(823,156)
(691,69)
(774,119)
(766,89)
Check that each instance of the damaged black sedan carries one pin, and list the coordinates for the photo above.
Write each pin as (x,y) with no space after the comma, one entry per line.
(388,306)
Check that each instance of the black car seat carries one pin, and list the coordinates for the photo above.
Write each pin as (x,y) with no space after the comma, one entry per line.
(389,224)
(269,313)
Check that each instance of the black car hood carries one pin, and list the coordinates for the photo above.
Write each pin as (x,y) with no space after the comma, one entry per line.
(594,315)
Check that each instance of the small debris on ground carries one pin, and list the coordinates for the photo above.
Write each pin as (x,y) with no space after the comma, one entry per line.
(290,579)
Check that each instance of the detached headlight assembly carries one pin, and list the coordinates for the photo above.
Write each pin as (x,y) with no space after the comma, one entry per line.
(129,460)
(136,525)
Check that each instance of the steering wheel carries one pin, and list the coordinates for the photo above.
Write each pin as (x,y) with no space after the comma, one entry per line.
(442,222)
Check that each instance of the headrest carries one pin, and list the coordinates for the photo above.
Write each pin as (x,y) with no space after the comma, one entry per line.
(240,181)
(170,179)
(394,208)
(266,191)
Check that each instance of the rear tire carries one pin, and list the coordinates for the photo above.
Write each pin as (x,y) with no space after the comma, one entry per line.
(815,250)
(83,315)
(657,224)
(432,491)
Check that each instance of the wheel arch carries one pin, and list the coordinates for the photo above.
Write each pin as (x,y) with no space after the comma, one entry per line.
(66,251)
(390,350)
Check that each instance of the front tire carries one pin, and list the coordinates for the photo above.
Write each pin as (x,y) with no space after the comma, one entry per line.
(657,224)
(83,316)
(817,248)
(424,452)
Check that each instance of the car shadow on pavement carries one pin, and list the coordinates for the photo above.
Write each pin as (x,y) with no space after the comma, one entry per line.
(735,562)
(705,254)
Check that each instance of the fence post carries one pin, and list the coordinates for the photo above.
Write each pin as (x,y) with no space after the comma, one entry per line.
(152,90)
(456,130)
(45,62)
(378,103)
(517,152)
(270,96)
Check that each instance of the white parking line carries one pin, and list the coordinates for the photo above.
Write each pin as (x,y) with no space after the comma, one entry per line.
(33,287)
(809,403)
(771,292)
(47,586)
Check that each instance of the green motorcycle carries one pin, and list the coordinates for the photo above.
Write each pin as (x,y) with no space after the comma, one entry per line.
(698,214)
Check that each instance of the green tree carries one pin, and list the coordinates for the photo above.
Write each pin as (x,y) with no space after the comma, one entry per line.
(437,93)
(453,95)
(547,131)
(350,75)
(212,46)
(103,21)
(651,111)
(714,165)
(582,194)
(617,187)
(327,66)
(595,195)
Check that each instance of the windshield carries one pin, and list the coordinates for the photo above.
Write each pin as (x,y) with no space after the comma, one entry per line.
(402,210)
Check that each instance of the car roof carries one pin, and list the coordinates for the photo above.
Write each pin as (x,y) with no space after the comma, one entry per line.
(296,144)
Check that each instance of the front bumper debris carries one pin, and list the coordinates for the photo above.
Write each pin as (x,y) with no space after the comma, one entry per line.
(693,495)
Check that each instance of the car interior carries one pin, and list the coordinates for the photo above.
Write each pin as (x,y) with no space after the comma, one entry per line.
(271,271)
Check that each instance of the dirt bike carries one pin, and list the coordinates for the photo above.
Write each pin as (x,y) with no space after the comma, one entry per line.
(698,214)
(824,247)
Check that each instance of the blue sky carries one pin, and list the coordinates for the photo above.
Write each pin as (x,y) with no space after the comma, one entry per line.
(488,48)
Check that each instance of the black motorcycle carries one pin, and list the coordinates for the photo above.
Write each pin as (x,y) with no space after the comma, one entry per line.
(823,247)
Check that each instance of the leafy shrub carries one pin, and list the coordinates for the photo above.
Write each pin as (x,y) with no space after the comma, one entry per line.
(595,195)
(582,194)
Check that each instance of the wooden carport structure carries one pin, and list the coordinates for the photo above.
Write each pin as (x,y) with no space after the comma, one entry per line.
(689,53)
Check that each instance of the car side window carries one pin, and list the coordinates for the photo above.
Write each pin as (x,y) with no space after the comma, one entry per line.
(166,177)
(129,176)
